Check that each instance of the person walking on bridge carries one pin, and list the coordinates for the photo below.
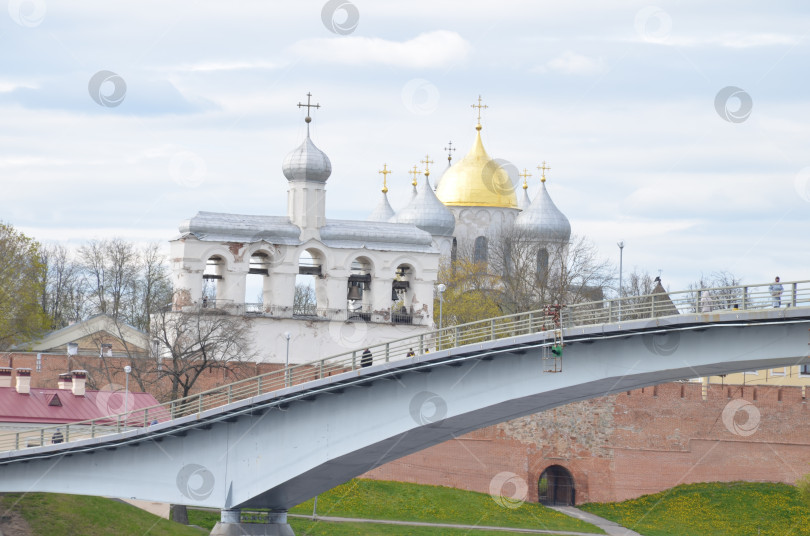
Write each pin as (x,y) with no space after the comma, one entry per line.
(776,292)
(366,359)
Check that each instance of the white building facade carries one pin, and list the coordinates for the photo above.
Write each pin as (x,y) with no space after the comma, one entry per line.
(373,281)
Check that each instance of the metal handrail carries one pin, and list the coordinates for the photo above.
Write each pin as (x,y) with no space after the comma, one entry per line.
(651,306)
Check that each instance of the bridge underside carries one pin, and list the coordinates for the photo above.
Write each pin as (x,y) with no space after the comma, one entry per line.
(278,451)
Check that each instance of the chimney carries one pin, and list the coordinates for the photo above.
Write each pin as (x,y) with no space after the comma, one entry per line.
(5,376)
(23,381)
(65,381)
(79,377)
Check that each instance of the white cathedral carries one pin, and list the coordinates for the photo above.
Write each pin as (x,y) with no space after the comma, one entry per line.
(374,280)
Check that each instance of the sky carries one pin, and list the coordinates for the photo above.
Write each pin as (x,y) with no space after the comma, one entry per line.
(680,128)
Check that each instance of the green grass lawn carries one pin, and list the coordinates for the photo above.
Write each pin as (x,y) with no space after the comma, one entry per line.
(373,499)
(715,509)
(51,514)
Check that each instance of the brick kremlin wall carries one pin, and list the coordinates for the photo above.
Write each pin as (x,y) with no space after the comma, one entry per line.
(622,446)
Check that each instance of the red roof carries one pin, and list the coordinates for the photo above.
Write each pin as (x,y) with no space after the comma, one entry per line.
(39,406)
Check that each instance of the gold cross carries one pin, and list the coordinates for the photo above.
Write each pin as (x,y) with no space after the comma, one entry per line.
(543,170)
(479,106)
(308,106)
(385,171)
(427,161)
(525,176)
(449,150)
(415,172)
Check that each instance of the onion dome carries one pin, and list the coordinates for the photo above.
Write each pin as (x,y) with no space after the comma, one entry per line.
(524,202)
(477,180)
(415,172)
(426,212)
(383,210)
(543,219)
(449,150)
(307,162)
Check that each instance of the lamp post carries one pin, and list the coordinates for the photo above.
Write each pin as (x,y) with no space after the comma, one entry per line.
(621,255)
(287,360)
(127,370)
(440,289)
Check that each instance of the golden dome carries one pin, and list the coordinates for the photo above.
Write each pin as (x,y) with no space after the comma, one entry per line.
(477,180)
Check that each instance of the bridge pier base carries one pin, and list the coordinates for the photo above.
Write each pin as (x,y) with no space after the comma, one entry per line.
(230,524)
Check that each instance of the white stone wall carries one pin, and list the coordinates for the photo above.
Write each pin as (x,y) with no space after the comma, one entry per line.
(472,222)
(313,340)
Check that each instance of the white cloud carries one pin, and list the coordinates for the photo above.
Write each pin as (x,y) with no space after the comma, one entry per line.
(732,40)
(428,50)
(225,65)
(576,64)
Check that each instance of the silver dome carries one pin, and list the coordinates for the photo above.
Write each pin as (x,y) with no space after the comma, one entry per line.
(307,163)
(383,211)
(544,219)
(428,213)
(524,202)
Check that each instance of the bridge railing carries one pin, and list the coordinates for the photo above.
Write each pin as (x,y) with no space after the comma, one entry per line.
(703,301)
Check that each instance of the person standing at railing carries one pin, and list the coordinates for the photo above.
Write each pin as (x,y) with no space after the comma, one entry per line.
(57,437)
(776,292)
(366,359)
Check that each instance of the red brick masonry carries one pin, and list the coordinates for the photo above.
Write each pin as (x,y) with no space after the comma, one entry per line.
(622,446)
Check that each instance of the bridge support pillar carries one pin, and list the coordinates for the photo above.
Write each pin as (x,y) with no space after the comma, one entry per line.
(230,524)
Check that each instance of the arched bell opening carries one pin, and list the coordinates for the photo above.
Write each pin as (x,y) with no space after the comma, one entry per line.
(213,287)
(402,295)
(359,295)
(310,288)
(258,290)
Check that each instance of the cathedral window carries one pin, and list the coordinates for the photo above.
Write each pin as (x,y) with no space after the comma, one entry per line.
(542,262)
(480,249)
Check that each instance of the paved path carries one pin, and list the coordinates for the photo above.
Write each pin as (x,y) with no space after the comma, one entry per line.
(613,529)
(444,525)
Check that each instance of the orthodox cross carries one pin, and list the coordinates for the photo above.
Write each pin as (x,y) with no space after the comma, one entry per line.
(449,150)
(415,172)
(427,161)
(525,176)
(479,106)
(543,170)
(308,106)
(385,171)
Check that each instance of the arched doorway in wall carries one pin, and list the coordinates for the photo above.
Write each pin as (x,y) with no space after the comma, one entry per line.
(556,487)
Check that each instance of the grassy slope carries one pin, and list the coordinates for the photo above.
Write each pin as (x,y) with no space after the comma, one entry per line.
(51,514)
(374,499)
(715,508)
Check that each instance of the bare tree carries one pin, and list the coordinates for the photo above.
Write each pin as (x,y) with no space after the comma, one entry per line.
(723,295)
(534,274)
(122,281)
(63,299)
(304,299)
(193,342)
(110,270)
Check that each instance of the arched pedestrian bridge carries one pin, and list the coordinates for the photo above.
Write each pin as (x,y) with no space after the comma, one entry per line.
(276,440)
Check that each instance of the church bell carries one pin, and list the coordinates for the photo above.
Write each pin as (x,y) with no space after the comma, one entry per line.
(355,293)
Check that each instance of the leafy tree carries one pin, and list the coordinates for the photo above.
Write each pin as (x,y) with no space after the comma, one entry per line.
(22,283)
(471,291)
